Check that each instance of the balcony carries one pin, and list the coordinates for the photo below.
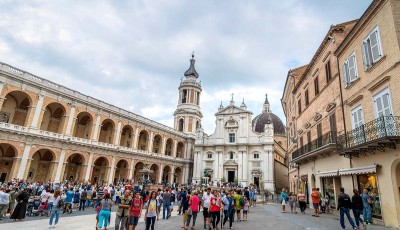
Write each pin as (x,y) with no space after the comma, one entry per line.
(376,135)
(323,144)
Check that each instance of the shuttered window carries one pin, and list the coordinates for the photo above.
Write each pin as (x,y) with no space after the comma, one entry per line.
(357,117)
(371,48)
(382,103)
(350,71)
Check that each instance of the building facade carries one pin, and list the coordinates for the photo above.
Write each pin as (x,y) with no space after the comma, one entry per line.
(242,150)
(347,133)
(50,132)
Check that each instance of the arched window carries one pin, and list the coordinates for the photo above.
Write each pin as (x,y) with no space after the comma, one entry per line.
(209,156)
(180,124)
(231,155)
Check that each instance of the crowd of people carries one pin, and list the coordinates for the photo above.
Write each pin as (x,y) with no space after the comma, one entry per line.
(358,203)
(19,198)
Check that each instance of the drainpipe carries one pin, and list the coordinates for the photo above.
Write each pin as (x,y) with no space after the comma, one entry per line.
(344,118)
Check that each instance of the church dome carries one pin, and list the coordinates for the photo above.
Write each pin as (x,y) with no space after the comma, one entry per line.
(267,117)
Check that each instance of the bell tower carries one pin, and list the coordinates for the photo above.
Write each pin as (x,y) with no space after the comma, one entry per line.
(187,114)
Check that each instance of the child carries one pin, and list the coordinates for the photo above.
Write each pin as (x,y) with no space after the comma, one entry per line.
(98,209)
(245,208)
(42,207)
(323,204)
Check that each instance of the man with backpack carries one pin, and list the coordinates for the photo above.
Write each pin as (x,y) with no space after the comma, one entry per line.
(123,210)
(82,200)
(344,205)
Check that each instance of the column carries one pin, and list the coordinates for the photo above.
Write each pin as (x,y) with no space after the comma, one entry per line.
(195,166)
(187,146)
(118,133)
(131,169)
(164,140)
(90,167)
(220,166)
(245,166)
(112,171)
(60,166)
(186,175)
(171,176)
(15,166)
(24,160)
(160,175)
(150,145)
(38,110)
(175,144)
(70,121)
(135,142)
(186,127)
(96,128)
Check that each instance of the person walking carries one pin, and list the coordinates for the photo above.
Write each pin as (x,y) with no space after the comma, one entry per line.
(292,202)
(124,203)
(50,201)
(82,200)
(13,197)
(151,211)
(284,199)
(194,205)
(229,212)
(20,209)
(215,209)
(4,202)
(356,200)
(55,209)
(205,203)
(315,201)
(184,209)
(301,197)
(367,201)
(135,211)
(166,196)
(327,202)
(344,206)
(105,212)
(239,202)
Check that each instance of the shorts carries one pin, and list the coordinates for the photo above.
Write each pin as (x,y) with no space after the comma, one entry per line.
(205,213)
(133,220)
(244,212)
(316,205)
(238,211)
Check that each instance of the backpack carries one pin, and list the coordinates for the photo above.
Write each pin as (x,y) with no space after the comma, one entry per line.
(60,203)
(241,201)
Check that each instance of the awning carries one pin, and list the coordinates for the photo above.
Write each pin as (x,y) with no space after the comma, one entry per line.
(328,173)
(359,170)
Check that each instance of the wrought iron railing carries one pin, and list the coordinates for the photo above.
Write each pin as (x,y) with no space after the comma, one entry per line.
(382,127)
(328,138)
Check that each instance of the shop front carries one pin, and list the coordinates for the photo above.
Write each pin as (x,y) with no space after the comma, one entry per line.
(304,187)
(331,184)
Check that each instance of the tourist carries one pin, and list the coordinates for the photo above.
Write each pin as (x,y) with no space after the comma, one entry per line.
(301,197)
(151,211)
(68,200)
(315,201)
(20,209)
(214,208)
(367,201)
(205,203)
(55,209)
(123,210)
(344,205)
(82,200)
(283,200)
(98,209)
(13,196)
(292,202)
(229,211)
(166,196)
(357,203)
(135,211)
(194,204)
(4,202)
(245,208)
(327,202)
(76,199)
(105,212)
(184,208)
(239,202)
(320,201)
(255,198)
(50,201)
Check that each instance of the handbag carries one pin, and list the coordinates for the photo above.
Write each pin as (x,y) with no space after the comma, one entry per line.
(190,211)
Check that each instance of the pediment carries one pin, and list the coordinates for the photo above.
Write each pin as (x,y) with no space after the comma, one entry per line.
(230,163)
(232,109)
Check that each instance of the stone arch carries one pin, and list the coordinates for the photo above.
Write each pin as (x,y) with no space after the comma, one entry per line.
(168,147)
(157,143)
(154,176)
(121,171)
(143,140)
(178,175)
(166,174)
(180,150)
(16,108)
(53,118)
(83,125)
(107,131)
(100,170)
(42,165)
(126,136)
(74,168)
(7,165)
(137,175)
(181,124)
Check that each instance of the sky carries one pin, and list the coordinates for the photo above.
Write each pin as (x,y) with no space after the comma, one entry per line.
(133,54)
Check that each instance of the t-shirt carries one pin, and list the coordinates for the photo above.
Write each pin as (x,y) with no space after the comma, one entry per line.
(4,198)
(215,204)
(152,208)
(105,204)
(69,195)
(206,200)
(135,207)
(237,197)
(365,198)
(315,197)
(194,203)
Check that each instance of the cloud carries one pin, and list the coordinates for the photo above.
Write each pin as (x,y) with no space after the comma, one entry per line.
(134,53)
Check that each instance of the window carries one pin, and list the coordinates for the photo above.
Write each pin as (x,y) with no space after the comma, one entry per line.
(181,124)
(316,86)
(209,156)
(350,69)
(231,138)
(198,98)
(371,48)
(382,104)
(357,123)
(319,135)
(309,140)
(184,95)
(332,122)
(328,71)
(256,156)
(301,142)
(306,97)
(299,105)
(231,155)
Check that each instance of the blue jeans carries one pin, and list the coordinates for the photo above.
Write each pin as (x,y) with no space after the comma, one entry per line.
(166,207)
(367,214)
(54,212)
(104,216)
(347,212)
(356,214)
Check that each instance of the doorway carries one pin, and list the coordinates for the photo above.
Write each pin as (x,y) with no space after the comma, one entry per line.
(257,181)
(3,177)
(231,176)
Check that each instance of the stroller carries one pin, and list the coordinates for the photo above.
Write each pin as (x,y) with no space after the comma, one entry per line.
(33,207)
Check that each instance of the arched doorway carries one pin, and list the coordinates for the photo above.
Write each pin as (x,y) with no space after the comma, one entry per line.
(100,170)
(143,139)
(7,154)
(41,167)
(121,171)
(126,136)
(107,131)
(181,124)
(53,118)
(180,150)
(166,174)
(168,147)
(157,143)
(83,125)
(73,169)
(16,108)
(138,177)
(178,175)
(154,176)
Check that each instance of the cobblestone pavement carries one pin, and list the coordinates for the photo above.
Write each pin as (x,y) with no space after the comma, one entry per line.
(260,217)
